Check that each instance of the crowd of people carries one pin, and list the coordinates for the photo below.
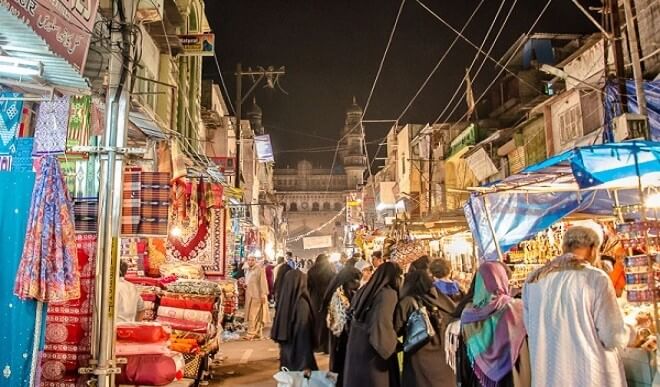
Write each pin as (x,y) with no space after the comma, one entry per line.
(382,327)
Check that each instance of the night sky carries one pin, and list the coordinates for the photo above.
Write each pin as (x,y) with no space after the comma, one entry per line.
(331,50)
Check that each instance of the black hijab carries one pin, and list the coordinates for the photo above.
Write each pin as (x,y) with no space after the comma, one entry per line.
(343,278)
(419,284)
(279,280)
(421,263)
(292,291)
(386,276)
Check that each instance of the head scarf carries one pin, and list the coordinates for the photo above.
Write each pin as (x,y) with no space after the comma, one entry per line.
(419,284)
(342,279)
(421,263)
(292,291)
(279,280)
(386,276)
(492,325)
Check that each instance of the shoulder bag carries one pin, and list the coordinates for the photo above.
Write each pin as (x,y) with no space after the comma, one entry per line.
(419,329)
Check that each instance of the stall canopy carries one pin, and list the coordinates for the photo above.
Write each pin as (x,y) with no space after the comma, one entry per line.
(583,180)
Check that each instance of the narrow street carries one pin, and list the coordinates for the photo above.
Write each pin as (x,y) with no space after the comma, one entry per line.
(251,363)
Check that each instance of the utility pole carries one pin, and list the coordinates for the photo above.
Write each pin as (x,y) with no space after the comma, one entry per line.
(430,205)
(615,29)
(103,364)
(636,64)
(271,75)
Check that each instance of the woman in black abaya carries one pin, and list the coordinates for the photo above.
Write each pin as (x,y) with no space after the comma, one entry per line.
(427,365)
(293,327)
(335,312)
(319,277)
(372,342)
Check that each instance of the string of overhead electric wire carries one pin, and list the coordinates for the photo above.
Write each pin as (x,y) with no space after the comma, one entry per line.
(474,61)
(503,67)
(371,92)
(428,78)
(442,59)
(222,81)
(468,41)
(321,227)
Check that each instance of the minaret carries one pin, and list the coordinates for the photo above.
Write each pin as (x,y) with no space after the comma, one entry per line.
(255,115)
(353,157)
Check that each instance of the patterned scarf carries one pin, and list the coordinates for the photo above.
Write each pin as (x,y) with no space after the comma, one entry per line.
(562,263)
(492,326)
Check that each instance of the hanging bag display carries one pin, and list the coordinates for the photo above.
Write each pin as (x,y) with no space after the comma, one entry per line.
(419,329)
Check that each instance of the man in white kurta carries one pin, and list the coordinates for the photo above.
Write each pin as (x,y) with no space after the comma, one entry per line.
(256,298)
(574,324)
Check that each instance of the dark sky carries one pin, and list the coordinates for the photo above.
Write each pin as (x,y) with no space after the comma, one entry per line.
(331,50)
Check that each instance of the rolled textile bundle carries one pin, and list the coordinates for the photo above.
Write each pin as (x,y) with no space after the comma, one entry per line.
(188,302)
(143,332)
(135,348)
(150,370)
(185,314)
(184,325)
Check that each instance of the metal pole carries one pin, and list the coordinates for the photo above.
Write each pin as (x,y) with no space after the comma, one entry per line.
(118,99)
(239,137)
(430,172)
(636,64)
(492,230)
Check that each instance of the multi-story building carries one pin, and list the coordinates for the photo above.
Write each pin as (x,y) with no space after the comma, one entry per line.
(312,196)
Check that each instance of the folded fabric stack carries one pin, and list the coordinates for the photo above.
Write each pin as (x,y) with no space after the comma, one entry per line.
(182,270)
(198,287)
(149,281)
(133,251)
(68,325)
(149,295)
(155,201)
(145,345)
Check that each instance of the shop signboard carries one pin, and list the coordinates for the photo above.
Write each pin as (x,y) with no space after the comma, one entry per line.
(317,242)
(65,25)
(481,164)
(225,164)
(198,44)
(264,149)
(466,138)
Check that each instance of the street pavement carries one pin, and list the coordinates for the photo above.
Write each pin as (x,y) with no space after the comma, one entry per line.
(251,363)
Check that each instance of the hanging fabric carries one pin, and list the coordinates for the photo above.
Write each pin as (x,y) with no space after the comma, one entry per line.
(97,117)
(51,127)
(22,320)
(10,120)
(131,201)
(155,202)
(69,325)
(49,266)
(22,157)
(79,120)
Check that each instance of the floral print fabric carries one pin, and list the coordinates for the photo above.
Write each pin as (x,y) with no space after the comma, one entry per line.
(48,270)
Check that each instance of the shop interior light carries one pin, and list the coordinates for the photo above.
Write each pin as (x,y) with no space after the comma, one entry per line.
(653,200)
(176,231)
(18,66)
(257,253)
(335,257)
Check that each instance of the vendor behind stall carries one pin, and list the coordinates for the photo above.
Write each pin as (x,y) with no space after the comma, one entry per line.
(130,306)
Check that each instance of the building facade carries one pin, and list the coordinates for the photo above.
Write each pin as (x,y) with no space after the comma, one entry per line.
(313,197)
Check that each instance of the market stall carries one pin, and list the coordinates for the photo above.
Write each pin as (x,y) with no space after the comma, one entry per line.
(519,219)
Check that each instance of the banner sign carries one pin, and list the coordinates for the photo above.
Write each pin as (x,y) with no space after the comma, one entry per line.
(317,242)
(264,149)
(66,25)
(481,164)
(198,44)
(225,164)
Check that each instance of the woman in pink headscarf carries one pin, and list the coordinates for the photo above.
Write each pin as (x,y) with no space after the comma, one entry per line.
(493,346)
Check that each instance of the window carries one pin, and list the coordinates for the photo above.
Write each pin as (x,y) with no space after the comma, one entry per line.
(326,206)
(293,207)
(315,206)
(403,164)
(337,206)
(569,125)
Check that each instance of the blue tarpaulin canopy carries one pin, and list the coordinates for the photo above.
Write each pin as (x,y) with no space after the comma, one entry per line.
(582,180)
